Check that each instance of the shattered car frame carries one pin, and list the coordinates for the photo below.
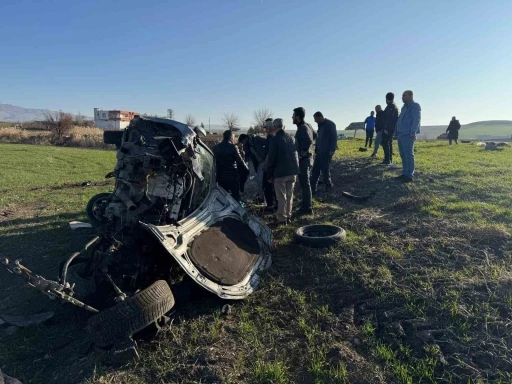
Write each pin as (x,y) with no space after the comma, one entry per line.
(165,221)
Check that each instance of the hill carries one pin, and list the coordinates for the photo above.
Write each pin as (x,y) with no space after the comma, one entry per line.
(480,130)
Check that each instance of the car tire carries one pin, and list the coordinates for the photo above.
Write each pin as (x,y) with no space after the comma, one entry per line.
(94,212)
(319,235)
(131,315)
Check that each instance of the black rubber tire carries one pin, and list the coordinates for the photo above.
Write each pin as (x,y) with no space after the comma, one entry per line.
(132,315)
(93,218)
(319,235)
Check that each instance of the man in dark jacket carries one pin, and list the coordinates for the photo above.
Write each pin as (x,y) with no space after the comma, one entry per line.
(304,139)
(227,161)
(326,145)
(379,127)
(453,130)
(282,168)
(390,119)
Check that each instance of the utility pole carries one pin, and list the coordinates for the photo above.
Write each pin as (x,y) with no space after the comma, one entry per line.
(209,129)
(170,114)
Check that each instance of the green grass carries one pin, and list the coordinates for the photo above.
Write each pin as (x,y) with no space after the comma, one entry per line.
(420,292)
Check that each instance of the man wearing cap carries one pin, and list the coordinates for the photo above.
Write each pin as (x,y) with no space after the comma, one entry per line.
(407,127)
(304,139)
(282,168)
(326,145)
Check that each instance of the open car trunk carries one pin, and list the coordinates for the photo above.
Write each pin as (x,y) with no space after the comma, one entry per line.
(220,246)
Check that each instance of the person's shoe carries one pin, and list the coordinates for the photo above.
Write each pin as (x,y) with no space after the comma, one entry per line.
(314,192)
(385,163)
(399,177)
(393,166)
(372,156)
(407,179)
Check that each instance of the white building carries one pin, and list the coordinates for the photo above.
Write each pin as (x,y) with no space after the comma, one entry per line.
(113,119)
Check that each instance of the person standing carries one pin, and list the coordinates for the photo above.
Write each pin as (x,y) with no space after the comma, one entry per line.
(326,145)
(369,124)
(268,188)
(453,131)
(283,168)
(228,161)
(390,119)
(407,127)
(379,127)
(304,139)
(254,148)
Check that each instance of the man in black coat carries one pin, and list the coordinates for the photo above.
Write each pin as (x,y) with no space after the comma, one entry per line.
(453,130)
(326,145)
(228,161)
(282,168)
(304,140)
(390,119)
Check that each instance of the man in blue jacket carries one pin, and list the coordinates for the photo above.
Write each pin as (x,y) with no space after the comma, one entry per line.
(407,127)
(370,128)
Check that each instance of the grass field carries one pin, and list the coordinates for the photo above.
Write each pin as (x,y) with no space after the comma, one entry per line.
(420,292)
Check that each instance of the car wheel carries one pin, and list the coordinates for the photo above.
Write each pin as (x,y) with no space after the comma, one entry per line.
(131,315)
(319,235)
(96,209)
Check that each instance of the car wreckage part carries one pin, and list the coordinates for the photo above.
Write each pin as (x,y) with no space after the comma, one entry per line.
(319,235)
(131,315)
(95,209)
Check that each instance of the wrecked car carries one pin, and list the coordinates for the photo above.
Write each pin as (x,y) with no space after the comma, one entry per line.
(166,223)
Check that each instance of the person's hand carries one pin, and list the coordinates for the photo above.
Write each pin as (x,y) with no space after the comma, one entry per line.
(413,135)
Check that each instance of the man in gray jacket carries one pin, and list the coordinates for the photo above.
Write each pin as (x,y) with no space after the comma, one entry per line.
(304,139)
(326,145)
(407,127)
(282,168)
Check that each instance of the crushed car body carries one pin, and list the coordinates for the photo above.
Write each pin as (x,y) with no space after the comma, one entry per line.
(166,221)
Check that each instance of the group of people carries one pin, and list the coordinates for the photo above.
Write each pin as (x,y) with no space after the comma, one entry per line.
(388,124)
(279,160)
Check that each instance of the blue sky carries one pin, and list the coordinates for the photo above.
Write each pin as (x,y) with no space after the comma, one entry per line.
(210,57)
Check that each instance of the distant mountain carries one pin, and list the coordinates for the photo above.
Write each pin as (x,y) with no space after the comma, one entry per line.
(14,113)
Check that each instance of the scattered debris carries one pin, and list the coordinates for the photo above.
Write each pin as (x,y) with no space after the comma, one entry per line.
(86,183)
(363,149)
(491,146)
(465,141)
(79,224)
(480,144)
(503,144)
(4,379)
(24,321)
(357,197)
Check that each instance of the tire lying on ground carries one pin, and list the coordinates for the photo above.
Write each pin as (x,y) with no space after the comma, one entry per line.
(131,315)
(319,235)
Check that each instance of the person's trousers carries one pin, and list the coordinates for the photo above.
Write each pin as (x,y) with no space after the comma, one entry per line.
(387,146)
(305,182)
(406,149)
(321,164)
(456,141)
(378,140)
(231,186)
(268,190)
(369,138)
(284,193)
